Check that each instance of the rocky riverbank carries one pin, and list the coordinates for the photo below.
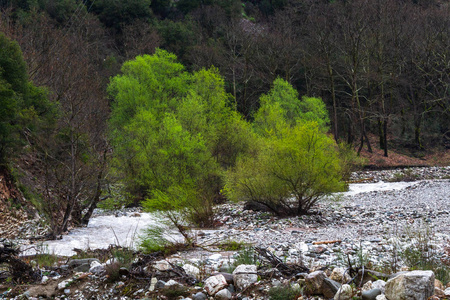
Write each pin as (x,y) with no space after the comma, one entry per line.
(375,229)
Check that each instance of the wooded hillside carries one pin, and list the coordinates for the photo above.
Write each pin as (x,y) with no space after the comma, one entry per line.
(381,67)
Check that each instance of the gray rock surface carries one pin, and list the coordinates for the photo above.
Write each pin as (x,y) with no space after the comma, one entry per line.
(370,294)
(414,285)
(224,294)
(199,296)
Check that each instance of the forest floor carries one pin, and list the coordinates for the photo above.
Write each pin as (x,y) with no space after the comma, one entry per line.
(403,157)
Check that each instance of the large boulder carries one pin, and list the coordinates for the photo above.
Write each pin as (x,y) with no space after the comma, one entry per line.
(414,285)
(245,275)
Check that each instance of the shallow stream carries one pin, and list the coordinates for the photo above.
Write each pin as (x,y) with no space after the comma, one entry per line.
(125,230)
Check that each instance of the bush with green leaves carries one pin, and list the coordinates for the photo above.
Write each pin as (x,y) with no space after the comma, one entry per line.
(296,163)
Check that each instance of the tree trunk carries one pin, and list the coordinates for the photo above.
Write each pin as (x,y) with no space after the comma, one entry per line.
(94,201)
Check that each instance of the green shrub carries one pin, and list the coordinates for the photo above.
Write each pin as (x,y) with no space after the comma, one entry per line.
(232,245)
(290,173)
(246,256)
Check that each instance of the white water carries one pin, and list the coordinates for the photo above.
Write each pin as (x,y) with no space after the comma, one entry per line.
(356,188)
(103,231)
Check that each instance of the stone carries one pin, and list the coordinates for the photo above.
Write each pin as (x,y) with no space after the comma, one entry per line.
(414,285)
(44,279)
(63,284)
(215,257)
(191,270)
(438,292)
(97,268)
(124,271)
(329,288)
(224,294)
(314,282)
(228,277)
(344,293)
(172,283)
(160,284)
(153,282)
(199,296)
(339,275)
(438,284)
(111,261)
(379,284)
(370,294)
(367,286)
(82,265)
(245,275)
(162,265)
(381,297)
(215,283)
(447,291)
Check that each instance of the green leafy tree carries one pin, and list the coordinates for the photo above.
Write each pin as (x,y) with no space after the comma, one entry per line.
(282,103)
(170,131)
(24,108)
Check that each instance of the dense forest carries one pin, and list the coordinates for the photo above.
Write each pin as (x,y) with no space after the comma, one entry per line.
(381,68)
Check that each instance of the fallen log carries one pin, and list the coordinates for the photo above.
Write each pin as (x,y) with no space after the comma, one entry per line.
(326,242)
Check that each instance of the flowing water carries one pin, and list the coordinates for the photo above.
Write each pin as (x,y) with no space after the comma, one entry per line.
(125,230)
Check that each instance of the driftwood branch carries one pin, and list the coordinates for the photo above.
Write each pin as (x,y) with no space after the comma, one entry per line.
(18,270)
(288,270)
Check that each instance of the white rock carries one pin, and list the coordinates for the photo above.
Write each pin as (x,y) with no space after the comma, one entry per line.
(447,291)
(381,297)
(153,282)
(367,286)
(302,246)
(171,283)
(111,261)
(97,268)
(215,283)
(345,292)
(63,284)
(339,275)
(44,279)
(379,284)
(191,270)
(215,257)
(244,275)
(162,265)
(414,285)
